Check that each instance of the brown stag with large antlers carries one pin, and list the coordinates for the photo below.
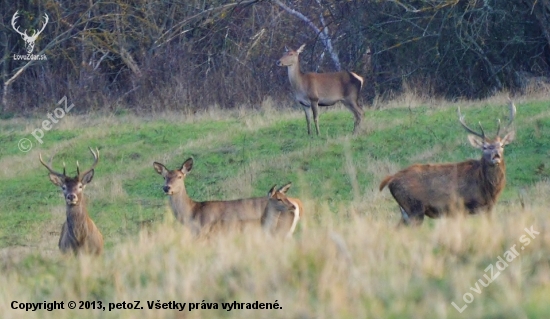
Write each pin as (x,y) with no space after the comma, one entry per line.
(438,189)
(282,213)
(201,216)
(312,90)
(79,233)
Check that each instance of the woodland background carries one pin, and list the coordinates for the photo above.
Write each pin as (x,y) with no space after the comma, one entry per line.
(158,55)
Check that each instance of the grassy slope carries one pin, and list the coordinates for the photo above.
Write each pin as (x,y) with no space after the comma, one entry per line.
(348,262)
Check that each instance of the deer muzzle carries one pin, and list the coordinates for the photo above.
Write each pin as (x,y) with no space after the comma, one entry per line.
(496,158)
(71,199)
(167,190)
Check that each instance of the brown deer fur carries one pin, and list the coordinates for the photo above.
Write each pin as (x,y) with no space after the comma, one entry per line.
(79,234)
(201,216)
(312,90)
(438,189)
(282,213)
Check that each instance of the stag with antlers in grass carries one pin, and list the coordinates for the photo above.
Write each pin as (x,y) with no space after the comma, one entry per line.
(79,234)
(438,189)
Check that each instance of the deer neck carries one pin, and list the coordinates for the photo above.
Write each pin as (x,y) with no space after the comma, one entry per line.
(295,76)
(494,176)
(182,206)
(77,218)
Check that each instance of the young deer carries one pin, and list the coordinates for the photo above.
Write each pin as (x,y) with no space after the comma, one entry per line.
(438,189)
(312,90)
(201,216)
(78,233)
(282,213)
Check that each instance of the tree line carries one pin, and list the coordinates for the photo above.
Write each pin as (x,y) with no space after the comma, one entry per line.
(193,54)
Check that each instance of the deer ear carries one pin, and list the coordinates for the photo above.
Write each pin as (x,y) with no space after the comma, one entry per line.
(508,138)
(301,48)
(56,180)
(285,188)
(286,49)
(161,169)
(475,141)
(187,166)
(271,191)
(88,177)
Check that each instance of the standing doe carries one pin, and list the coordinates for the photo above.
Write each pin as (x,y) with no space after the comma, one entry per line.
(282,213)
(78,233)
(312,90)
(437,189)
(201,216)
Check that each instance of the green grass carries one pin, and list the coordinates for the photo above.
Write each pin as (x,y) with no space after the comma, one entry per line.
(413,273)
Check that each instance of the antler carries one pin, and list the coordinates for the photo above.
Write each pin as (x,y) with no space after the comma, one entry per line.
(512,116)
(15,16)
(461,119)
(50,168)
(96,160)
(24,34)
(36,34)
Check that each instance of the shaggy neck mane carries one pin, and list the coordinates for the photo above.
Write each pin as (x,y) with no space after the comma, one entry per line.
(76,219)
(494,177)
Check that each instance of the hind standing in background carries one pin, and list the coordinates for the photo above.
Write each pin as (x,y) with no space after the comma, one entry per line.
(312,90)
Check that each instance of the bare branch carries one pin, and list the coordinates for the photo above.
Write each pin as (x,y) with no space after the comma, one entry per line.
(323,34)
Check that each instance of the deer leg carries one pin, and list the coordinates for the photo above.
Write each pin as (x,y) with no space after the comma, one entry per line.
(409,220)
(357,113)
(308,119)
(315,111)
(416,214)
(405,217)
(417,220)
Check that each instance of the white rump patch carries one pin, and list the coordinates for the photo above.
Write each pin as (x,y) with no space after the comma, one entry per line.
(296,217)
(358,78)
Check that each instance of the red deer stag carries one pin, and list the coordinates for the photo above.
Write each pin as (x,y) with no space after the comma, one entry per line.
(282,213)
(438,189)
(201,216)
(312,90)
(78,233)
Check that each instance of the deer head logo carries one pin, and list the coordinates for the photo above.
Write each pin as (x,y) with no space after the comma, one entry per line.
(29,40)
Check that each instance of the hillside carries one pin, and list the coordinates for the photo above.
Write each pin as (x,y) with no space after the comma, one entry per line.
(349,261)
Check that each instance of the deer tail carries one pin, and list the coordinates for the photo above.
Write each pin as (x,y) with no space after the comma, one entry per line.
(357,80)
(385,181)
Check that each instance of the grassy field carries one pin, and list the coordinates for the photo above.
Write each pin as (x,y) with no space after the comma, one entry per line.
(347,260)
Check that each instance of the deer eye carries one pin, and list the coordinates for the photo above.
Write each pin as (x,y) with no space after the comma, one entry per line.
(64,187)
